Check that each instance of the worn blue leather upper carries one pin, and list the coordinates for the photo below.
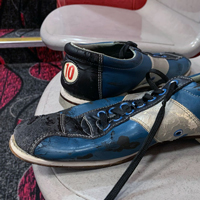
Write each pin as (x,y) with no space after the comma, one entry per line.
(59,136)
(123,140)
(177,69)
(189,97)
(82,108)
(102,72)
(121,75)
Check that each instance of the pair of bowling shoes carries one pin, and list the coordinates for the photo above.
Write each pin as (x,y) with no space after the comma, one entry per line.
(117,124)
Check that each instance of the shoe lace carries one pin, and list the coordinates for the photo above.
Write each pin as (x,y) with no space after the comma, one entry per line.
(128,108)
(125,48)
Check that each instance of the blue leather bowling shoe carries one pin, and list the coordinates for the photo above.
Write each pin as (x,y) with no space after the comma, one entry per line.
(114,130)
(101,70)
(111,131)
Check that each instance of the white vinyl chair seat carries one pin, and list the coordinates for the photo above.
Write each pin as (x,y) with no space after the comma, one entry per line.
(159,26)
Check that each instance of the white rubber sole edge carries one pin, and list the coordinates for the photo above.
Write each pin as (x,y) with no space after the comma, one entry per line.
(17,151)
(67,97)
(71,99)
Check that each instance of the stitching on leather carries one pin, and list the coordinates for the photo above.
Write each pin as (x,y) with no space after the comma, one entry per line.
(39,139)
(81,126)
(155,102)
(81,60)
(191,116)
(131,68)
(191,93)
(90,126)
(81,115)
(100,77)
(62,123)
(34,144)
(84,49)
(127,117)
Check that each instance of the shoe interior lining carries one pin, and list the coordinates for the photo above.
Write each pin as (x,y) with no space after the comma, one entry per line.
(109,49)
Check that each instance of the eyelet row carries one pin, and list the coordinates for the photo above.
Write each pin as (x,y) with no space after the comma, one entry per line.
(125,103)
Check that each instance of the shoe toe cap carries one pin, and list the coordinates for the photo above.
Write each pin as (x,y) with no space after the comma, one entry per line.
(30,132)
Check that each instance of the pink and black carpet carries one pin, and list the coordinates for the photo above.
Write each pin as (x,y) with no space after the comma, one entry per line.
(21,85)
(24,74)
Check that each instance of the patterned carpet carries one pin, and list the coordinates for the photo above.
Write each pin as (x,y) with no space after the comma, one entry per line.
(28,188)
(21,86)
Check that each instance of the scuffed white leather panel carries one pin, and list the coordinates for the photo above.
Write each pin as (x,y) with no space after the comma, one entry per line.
(176,117)
(160,64)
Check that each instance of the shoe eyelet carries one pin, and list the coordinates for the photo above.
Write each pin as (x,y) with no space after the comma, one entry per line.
(116,120)
(130,112)
(176,81)
(110,110)
(101,111)
(164,91)
(125,103)
(178,133)
(152,99)
(106,127)
(141,105)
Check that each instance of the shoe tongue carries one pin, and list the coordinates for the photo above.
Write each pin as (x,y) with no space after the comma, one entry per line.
(72,127)
(125,51)
(88,125)
(84,126)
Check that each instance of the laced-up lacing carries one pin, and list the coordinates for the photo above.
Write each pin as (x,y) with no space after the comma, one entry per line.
(127,108)
(116,113)
(125,48)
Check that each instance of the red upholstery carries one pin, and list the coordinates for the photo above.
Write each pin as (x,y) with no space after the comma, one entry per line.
(128,4)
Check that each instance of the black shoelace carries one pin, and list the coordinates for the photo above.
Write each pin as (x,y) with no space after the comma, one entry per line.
(125,50)
(128,108)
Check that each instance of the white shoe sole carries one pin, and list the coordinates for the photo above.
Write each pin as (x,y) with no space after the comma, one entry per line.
(71,99)
(18,152)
